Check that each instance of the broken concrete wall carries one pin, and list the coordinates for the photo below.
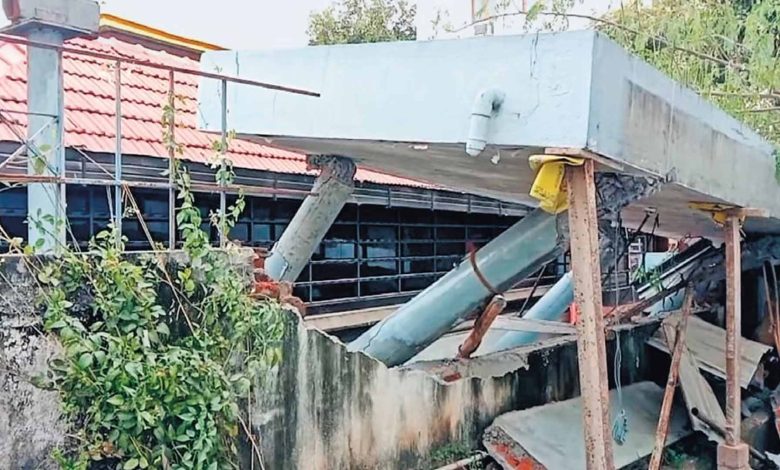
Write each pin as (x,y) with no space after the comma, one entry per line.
(30,424)
(326,408)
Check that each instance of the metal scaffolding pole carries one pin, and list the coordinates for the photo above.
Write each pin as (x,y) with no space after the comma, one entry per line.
(118,194)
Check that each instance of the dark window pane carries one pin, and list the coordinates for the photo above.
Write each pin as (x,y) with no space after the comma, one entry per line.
(302,292)
(159,231)
(279,230)
(447,263)
(240,232)
(100,203)
(15,226)
(450,248)
(285,209)
(13,201)
(416,283)
(330,271)
(78,200)
(348,213)
(154,204)
(378,287)
(378,268)
(261,233)
(341,232)
(378,214)
(447,217)
(79,227)
(416,233)
(378,233)
(450,233)
(261,208)
(417,266)
(416,216)
(480,233)
(334,291)
(380,250)
(417,249)
(338,250)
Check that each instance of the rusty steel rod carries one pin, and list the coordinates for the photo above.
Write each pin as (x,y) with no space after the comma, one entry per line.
(145,63)
(671,383)
(481,326)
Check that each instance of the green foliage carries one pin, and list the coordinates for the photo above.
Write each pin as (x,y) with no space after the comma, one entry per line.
(726,50)
(157,358)
(451,453)
(360,21)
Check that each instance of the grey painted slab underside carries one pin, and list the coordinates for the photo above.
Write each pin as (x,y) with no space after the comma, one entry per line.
(552,433)
(405,107)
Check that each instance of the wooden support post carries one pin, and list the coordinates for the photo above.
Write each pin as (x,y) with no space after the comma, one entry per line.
(733,329)
(733,454)
(591,346)
(671,383)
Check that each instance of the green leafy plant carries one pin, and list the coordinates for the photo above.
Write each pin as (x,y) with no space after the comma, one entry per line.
(159,356)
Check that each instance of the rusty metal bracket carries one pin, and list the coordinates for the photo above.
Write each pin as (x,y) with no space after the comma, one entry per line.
(482,279)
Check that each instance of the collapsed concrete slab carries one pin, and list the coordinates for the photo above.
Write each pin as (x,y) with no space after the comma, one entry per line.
(396,106)
(549,436)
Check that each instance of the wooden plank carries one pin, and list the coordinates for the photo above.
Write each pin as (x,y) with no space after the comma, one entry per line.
(733,328)
(368,316)
(671,383)
(591,348)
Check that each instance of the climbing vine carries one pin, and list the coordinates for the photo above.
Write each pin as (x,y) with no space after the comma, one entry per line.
(159,354)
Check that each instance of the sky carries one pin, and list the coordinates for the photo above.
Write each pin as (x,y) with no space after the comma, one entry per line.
(241,24)
(245,24)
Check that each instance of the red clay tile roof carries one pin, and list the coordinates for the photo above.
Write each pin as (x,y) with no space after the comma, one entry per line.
(90,108)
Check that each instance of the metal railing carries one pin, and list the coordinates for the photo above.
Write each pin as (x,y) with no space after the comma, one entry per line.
(116,179)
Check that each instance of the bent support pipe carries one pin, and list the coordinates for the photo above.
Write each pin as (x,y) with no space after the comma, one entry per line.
(331,190)
(519,251)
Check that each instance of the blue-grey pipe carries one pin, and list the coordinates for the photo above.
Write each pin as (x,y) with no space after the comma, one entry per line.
(332,189)
(509,258)
(550,307)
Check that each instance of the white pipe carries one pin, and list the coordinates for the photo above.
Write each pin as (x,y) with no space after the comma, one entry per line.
(485,105)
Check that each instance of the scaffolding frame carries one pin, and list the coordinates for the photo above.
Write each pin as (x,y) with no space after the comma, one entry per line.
(116,178)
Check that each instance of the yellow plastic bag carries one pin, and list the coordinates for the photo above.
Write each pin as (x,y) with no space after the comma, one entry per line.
(549,187)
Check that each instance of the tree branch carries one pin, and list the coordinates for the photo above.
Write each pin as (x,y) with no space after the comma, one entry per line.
(606,22)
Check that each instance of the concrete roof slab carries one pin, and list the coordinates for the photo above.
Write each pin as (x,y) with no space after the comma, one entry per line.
(405,108)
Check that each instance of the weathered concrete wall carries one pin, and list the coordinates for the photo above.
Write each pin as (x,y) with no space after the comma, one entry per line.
(30,425)
(322,408)
(326,408)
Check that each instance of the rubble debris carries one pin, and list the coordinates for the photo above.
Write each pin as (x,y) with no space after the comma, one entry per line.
(550,436)
(707,343)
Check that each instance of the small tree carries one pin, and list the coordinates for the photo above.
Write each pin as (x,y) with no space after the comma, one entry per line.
(359,21)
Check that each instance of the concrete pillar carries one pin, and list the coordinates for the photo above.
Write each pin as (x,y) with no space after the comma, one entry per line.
(48,22)
(509,258)
(46,152)
(331,190)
